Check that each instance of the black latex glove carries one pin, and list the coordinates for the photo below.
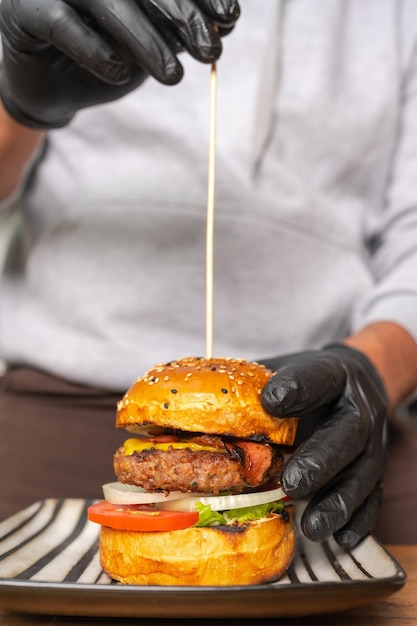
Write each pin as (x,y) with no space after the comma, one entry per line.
(341,402)
(60,56)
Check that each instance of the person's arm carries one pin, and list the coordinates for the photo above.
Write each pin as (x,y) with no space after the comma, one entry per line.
(343,392)
(384,320)
(393,352)
(18,144)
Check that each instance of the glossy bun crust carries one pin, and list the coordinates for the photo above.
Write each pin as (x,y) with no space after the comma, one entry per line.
(214,396)
(246,554)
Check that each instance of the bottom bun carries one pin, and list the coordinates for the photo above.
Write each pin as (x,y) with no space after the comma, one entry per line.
(243,554)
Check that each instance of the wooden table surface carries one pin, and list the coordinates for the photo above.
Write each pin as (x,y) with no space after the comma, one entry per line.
(399,609)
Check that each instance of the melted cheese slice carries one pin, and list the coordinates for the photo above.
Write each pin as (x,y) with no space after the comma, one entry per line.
(133,445)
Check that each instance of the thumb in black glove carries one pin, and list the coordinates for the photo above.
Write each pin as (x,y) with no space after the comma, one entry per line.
(63,55)
(341,402)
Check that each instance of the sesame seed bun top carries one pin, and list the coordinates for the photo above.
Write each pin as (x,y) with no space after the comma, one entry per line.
(214,396)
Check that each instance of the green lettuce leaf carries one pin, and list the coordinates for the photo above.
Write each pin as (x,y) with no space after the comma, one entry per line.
(208,517)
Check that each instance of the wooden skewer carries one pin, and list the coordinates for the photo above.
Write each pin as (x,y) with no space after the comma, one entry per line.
(210,212)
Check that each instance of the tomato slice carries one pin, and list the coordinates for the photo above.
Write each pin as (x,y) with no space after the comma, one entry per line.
(140,517)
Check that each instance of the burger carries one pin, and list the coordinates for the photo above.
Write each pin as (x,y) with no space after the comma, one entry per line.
(198,499)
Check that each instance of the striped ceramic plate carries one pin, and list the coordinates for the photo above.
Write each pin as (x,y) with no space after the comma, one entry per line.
(49,564)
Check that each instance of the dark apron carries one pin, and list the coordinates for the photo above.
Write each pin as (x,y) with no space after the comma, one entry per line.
(57,439)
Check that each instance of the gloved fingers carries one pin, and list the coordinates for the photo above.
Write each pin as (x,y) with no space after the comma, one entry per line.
(184,26)
(190,24)
(134,36)
(303,385)
(337,441)
(333,508)
(224,13)
(362,521)
(55,22)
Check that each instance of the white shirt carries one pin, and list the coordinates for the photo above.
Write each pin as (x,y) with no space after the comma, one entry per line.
(108,275)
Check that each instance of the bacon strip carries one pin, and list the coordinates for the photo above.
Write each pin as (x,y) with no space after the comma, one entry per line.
(257,460)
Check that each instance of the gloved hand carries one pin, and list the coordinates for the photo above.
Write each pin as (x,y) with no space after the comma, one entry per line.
(339,464)
(60,56)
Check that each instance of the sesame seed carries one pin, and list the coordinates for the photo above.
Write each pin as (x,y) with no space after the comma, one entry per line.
(174,390)
(166,405)
(224,390)
(166,378)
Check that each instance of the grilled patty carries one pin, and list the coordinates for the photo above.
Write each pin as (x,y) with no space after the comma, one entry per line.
(240,464)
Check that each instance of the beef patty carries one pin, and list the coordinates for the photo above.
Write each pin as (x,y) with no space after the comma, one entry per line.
(238,465)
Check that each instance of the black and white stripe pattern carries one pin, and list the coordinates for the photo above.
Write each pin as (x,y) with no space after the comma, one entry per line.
(53,542)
